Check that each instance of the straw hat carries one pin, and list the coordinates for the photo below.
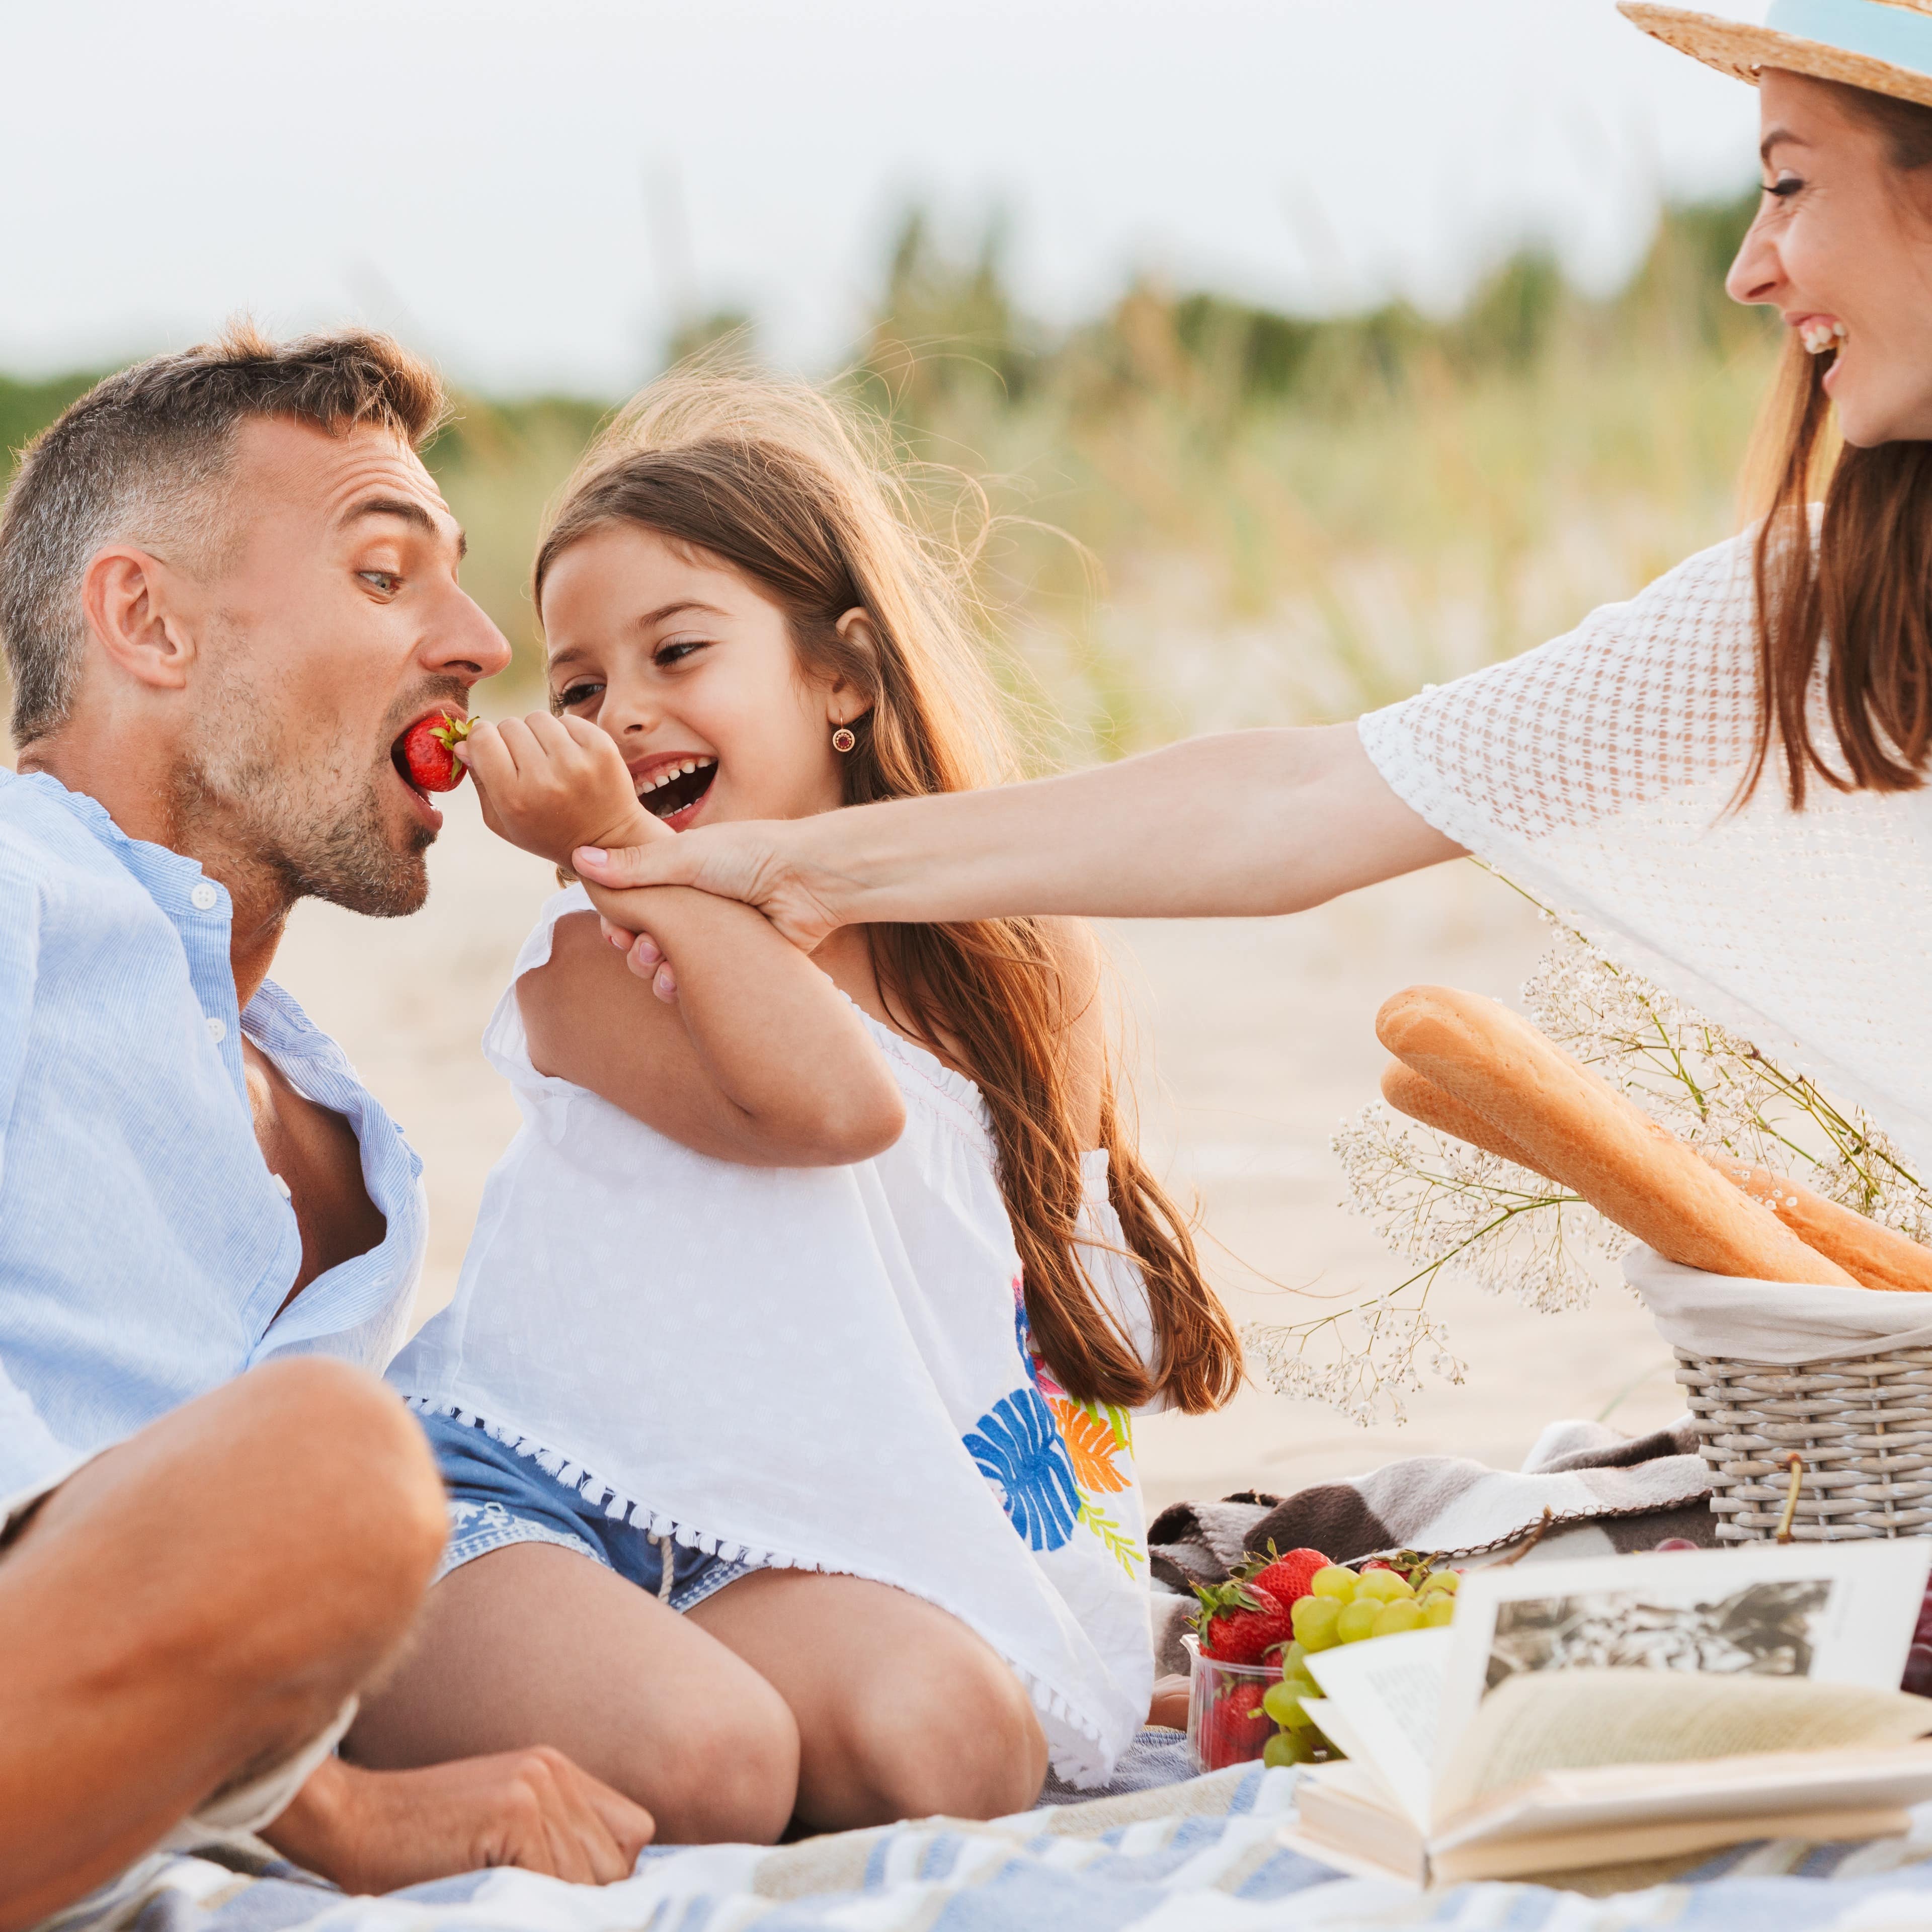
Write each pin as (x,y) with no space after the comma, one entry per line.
(1884,45)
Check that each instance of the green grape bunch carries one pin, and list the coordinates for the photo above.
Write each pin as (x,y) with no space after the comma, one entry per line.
(1344,1606)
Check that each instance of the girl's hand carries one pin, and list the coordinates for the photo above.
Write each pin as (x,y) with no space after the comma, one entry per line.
(551,784)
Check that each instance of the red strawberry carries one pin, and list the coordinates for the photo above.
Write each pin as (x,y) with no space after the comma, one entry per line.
(427,752)
(1237,1726)
(1237,1622)
(1286,1578)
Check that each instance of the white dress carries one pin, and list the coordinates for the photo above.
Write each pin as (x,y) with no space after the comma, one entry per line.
(823,1368)
(1598,772)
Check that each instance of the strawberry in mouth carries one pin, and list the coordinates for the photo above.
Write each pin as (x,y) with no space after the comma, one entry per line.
(673,791)
(424,756)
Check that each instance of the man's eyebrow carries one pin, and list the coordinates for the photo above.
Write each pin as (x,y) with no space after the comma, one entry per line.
(410,511)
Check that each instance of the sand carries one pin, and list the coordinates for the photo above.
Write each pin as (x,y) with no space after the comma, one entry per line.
(1255,1037)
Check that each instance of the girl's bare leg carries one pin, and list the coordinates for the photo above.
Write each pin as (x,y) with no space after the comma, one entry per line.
(536,1645)
(901,1711)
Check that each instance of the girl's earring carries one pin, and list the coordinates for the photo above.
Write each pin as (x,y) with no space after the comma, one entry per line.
(842,740)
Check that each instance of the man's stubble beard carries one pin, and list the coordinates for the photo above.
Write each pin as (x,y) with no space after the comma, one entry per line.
(312,819)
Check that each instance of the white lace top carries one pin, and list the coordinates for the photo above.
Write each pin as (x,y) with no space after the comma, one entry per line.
(1596,772)
(827,1368)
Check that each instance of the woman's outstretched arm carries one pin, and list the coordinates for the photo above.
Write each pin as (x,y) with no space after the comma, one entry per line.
(1250,822)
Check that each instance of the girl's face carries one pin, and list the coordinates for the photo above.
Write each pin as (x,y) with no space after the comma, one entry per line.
(1842,248)
(690,667)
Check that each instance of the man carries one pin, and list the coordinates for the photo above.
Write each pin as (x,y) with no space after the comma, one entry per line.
(228,586)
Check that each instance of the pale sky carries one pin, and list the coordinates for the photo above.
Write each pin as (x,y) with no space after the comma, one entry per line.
(531,192)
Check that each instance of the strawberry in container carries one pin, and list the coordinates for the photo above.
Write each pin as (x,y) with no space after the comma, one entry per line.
(1241,1632)
(1250,1676)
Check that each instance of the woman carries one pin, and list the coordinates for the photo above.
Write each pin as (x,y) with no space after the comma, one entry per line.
(1722,780)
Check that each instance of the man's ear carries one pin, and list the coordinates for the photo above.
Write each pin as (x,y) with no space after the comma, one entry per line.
(125,594)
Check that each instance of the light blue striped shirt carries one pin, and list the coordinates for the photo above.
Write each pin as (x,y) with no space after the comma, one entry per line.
(145,1247)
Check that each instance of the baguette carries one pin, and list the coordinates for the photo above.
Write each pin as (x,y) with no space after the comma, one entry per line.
(1575,1127)
(1876,1257)
(1418,1097)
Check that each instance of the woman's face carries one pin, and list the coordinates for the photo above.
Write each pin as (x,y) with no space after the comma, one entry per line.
(690,667)
(1842,248)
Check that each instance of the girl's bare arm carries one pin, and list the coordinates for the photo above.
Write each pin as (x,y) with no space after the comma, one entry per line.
(763,1061)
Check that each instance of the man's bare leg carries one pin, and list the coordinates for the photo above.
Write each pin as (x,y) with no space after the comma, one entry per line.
(195,1604)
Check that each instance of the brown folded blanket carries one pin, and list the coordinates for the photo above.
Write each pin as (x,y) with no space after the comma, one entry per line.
(1584,1484)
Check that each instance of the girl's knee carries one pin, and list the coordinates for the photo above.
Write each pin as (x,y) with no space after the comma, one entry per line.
(730,1774)
(960,1738)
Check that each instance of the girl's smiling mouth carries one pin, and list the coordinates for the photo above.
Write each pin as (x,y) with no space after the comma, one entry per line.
(672,789)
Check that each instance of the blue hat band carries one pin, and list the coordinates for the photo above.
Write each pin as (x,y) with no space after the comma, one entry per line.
(1899,36)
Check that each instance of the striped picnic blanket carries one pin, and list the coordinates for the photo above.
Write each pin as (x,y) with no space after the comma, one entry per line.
(1199,1856)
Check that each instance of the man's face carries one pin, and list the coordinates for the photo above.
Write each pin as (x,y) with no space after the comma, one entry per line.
(333,623)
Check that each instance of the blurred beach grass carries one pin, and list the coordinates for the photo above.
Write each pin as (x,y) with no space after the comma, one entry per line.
(1206,514)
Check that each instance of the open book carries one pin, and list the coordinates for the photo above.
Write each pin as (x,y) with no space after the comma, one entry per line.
(1594,1712)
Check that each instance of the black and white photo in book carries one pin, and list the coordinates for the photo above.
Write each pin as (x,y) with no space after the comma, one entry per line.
(1831,1612)
(1766,1629)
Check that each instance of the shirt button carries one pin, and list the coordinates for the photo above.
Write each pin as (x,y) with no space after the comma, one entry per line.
(217,1029)
(281,1187)
(203,897)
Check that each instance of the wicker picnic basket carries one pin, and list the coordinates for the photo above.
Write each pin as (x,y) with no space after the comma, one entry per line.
(1861,1425)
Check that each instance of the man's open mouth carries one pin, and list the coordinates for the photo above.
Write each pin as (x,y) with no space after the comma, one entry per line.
(402,765)
(677,789)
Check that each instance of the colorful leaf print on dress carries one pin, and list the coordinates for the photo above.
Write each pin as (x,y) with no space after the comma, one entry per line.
(1097,1437)
(1093,1442)
(1099,1440)
(1043,1378)
(1017,1445)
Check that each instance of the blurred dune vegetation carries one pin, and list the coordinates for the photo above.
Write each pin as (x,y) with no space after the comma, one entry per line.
(1200,513)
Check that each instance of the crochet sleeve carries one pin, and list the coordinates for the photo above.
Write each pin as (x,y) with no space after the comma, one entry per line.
(1601,774)
(1643,700)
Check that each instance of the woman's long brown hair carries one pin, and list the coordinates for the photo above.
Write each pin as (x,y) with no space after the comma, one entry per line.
(784,485)
(1862,591)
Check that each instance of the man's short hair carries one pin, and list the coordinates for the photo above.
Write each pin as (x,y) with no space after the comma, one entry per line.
(144,457)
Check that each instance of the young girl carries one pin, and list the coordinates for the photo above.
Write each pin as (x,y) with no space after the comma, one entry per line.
(785,1401)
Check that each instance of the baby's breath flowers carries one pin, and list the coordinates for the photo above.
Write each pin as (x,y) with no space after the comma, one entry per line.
(1459,1211)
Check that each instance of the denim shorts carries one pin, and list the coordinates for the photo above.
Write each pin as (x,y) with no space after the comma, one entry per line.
(497,1497)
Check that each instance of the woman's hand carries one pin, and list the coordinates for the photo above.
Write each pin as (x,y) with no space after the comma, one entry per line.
(551,784)
(764,863)
(644,957)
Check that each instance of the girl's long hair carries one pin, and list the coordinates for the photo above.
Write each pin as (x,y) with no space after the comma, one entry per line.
(801,496)
(1864,583)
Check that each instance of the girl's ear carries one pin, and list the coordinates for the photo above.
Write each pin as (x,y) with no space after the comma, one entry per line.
(845,702)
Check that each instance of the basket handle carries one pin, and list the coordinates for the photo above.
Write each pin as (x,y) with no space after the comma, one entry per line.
(1795,1463)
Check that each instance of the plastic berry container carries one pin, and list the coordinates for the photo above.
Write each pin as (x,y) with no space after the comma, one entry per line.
(1226,1723)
